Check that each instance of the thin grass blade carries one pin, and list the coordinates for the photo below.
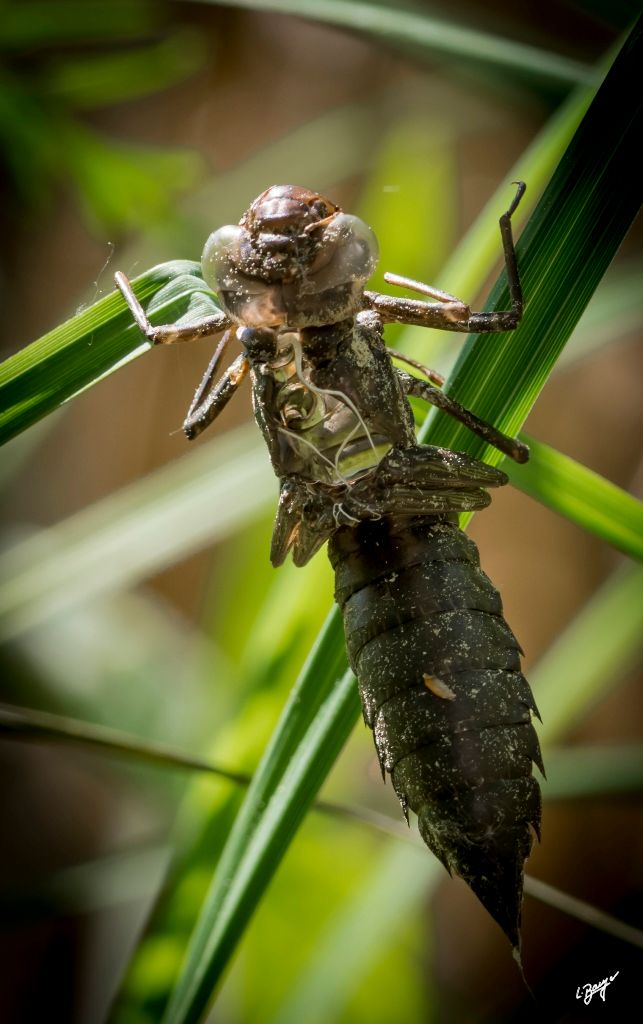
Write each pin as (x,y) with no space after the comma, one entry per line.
(94,343)
(582,496)
(31,724)
(421,32)
(575,773)
(570,239)
(599,647)
(583,911)
(135,532)
(276,803)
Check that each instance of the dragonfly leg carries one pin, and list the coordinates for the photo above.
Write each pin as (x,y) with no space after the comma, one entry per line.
(444,316)
(507,319)
(168,334)
(208,402)
(213,367)
(510,446)
(425,289)
(450,313)
(433,375)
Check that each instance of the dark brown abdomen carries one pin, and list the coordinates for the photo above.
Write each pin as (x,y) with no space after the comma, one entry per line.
(440,682)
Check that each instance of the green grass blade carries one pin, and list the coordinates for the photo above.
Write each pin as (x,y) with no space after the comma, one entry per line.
(395,26)
(294,767)
(583,911)
(587,772)
(582,496)
(94,343)
(563,252)
(29,723)
(126,536)
(102,79)
(602,644)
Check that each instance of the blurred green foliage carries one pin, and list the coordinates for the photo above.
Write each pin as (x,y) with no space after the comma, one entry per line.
(64,59)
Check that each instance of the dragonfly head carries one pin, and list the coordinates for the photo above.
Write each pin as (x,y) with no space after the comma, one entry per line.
(294,260)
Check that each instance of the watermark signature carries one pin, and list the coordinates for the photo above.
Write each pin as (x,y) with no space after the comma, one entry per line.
(586,992)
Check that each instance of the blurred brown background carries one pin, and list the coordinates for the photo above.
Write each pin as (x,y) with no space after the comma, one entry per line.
(262,78)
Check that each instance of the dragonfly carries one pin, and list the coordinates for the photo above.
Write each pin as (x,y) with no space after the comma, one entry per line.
(438,668)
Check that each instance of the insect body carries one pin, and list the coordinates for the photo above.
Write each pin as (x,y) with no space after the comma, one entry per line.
(437,665)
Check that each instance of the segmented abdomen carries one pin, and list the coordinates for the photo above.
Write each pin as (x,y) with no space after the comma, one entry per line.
(441,688)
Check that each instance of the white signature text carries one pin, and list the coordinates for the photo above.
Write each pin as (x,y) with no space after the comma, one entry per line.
(585,992)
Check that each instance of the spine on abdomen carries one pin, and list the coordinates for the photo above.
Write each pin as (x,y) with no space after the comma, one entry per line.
(439,677)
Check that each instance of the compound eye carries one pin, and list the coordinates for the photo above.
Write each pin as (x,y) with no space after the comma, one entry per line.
(358,245)
(348,252)
(220,257)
